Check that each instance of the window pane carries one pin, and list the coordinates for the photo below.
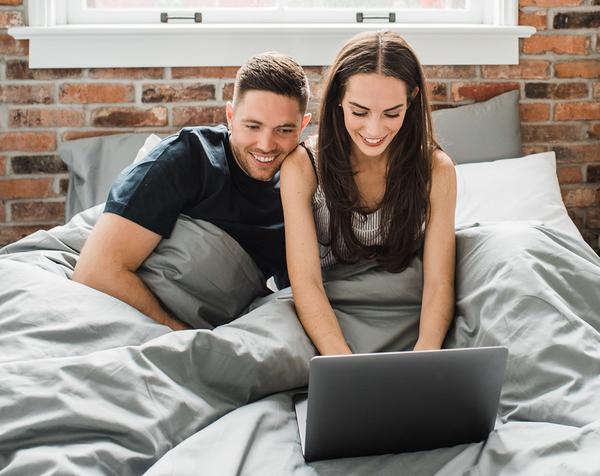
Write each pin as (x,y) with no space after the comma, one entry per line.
(378,4)
(176,4)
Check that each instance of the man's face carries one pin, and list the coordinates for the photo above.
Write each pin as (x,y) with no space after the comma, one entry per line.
(265,128)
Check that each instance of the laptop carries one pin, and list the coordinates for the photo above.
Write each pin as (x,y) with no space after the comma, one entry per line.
(393,402)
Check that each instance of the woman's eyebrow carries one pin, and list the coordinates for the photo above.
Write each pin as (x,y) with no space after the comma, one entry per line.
(366,108)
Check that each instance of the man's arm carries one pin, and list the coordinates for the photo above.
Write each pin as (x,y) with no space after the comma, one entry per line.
(109,260)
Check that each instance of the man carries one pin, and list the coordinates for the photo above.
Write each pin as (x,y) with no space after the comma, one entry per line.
(229,178)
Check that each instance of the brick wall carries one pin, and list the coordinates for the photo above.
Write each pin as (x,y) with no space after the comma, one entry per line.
(557,77)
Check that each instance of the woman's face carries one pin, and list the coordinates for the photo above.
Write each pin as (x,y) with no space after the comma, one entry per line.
(374,108)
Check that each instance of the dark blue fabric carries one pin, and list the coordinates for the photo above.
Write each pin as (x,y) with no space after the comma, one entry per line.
(194,173)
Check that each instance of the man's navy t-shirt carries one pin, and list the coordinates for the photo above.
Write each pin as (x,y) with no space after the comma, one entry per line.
(195,173)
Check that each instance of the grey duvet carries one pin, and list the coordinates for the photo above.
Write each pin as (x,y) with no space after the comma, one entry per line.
(88,385)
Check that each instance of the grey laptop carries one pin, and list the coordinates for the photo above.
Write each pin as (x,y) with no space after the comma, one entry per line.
(367,404)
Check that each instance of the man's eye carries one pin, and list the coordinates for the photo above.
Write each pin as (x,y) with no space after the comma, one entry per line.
(286,131)
(251,127)
(359,114)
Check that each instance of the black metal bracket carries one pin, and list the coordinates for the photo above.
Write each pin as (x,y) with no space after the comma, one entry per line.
(164,17)
(360,17)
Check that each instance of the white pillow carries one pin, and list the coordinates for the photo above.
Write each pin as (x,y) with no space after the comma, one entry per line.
(512,189)
(151,142)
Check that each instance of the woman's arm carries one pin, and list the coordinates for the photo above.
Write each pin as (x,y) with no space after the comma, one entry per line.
(298,185)
(437,309)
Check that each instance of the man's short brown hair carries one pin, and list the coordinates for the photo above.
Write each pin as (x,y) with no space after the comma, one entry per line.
(273,72)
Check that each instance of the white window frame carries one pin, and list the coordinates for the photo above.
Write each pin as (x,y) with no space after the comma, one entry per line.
(53,43)
(76,13)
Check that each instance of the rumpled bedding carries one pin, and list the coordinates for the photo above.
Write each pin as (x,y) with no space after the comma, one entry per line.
(88,385)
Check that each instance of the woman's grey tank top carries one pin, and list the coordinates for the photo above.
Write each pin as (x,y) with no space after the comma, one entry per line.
(366,228)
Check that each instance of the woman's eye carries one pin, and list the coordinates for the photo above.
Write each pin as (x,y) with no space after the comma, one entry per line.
(359,114)
(391,116)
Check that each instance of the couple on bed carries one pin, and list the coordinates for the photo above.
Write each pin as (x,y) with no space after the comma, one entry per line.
(372,185)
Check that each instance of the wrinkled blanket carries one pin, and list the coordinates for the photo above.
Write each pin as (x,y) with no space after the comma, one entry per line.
(88,385)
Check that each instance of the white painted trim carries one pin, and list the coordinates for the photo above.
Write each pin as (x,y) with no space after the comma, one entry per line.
(82,46)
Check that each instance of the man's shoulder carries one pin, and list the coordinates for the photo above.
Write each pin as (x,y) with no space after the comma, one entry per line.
(192,144)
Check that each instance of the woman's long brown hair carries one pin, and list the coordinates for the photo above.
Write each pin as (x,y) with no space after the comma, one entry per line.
(405,205)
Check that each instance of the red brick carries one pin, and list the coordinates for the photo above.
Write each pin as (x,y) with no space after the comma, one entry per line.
(2,211)
(559,44)
(534,149)
(578,69)
(556,90)
(592,218)
(480,91)
(577,215)
(593,173)
(576,20)
(46,118)
(449,72)
(27,93)
(160,93)
(553,133)
(27,188)
(191,116)
(10,18)
(573,111)
(63,186)
(74,135)
(228,92)
(28,141)
(570,174)
(549,3)
(3,161)
(526,69)
(37,164)
(126,73)
(10,234)
(437,91)
(534,112)
(538,20)
(315,89)
(204,72)
(129,116)
(580,197)
(577,153)
(19,69)
(38,211)
(10,46)
(594,131)
(597,90)
(87,93)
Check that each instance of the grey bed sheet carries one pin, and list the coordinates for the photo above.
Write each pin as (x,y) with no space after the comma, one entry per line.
(90,386)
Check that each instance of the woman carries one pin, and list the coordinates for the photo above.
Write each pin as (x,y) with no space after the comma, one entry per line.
(378,187)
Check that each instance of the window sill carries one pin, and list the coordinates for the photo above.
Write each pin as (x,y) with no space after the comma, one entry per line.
(82,46)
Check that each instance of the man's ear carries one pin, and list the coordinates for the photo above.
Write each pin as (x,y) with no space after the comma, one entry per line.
(305,121)
(229,113)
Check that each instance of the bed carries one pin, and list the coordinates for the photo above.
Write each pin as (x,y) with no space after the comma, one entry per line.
(88,385)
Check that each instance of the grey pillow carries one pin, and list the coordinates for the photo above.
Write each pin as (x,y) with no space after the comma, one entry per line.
(202,275)
(93,164)
(485,131)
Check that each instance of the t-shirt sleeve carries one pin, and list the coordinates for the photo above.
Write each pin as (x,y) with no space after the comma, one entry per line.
(153,193)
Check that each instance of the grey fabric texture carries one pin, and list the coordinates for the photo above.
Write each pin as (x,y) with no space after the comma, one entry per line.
(480,132)
(139,399)
(200,274)
(93,165)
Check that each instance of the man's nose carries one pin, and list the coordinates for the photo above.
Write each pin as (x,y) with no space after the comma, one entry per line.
(266,142)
